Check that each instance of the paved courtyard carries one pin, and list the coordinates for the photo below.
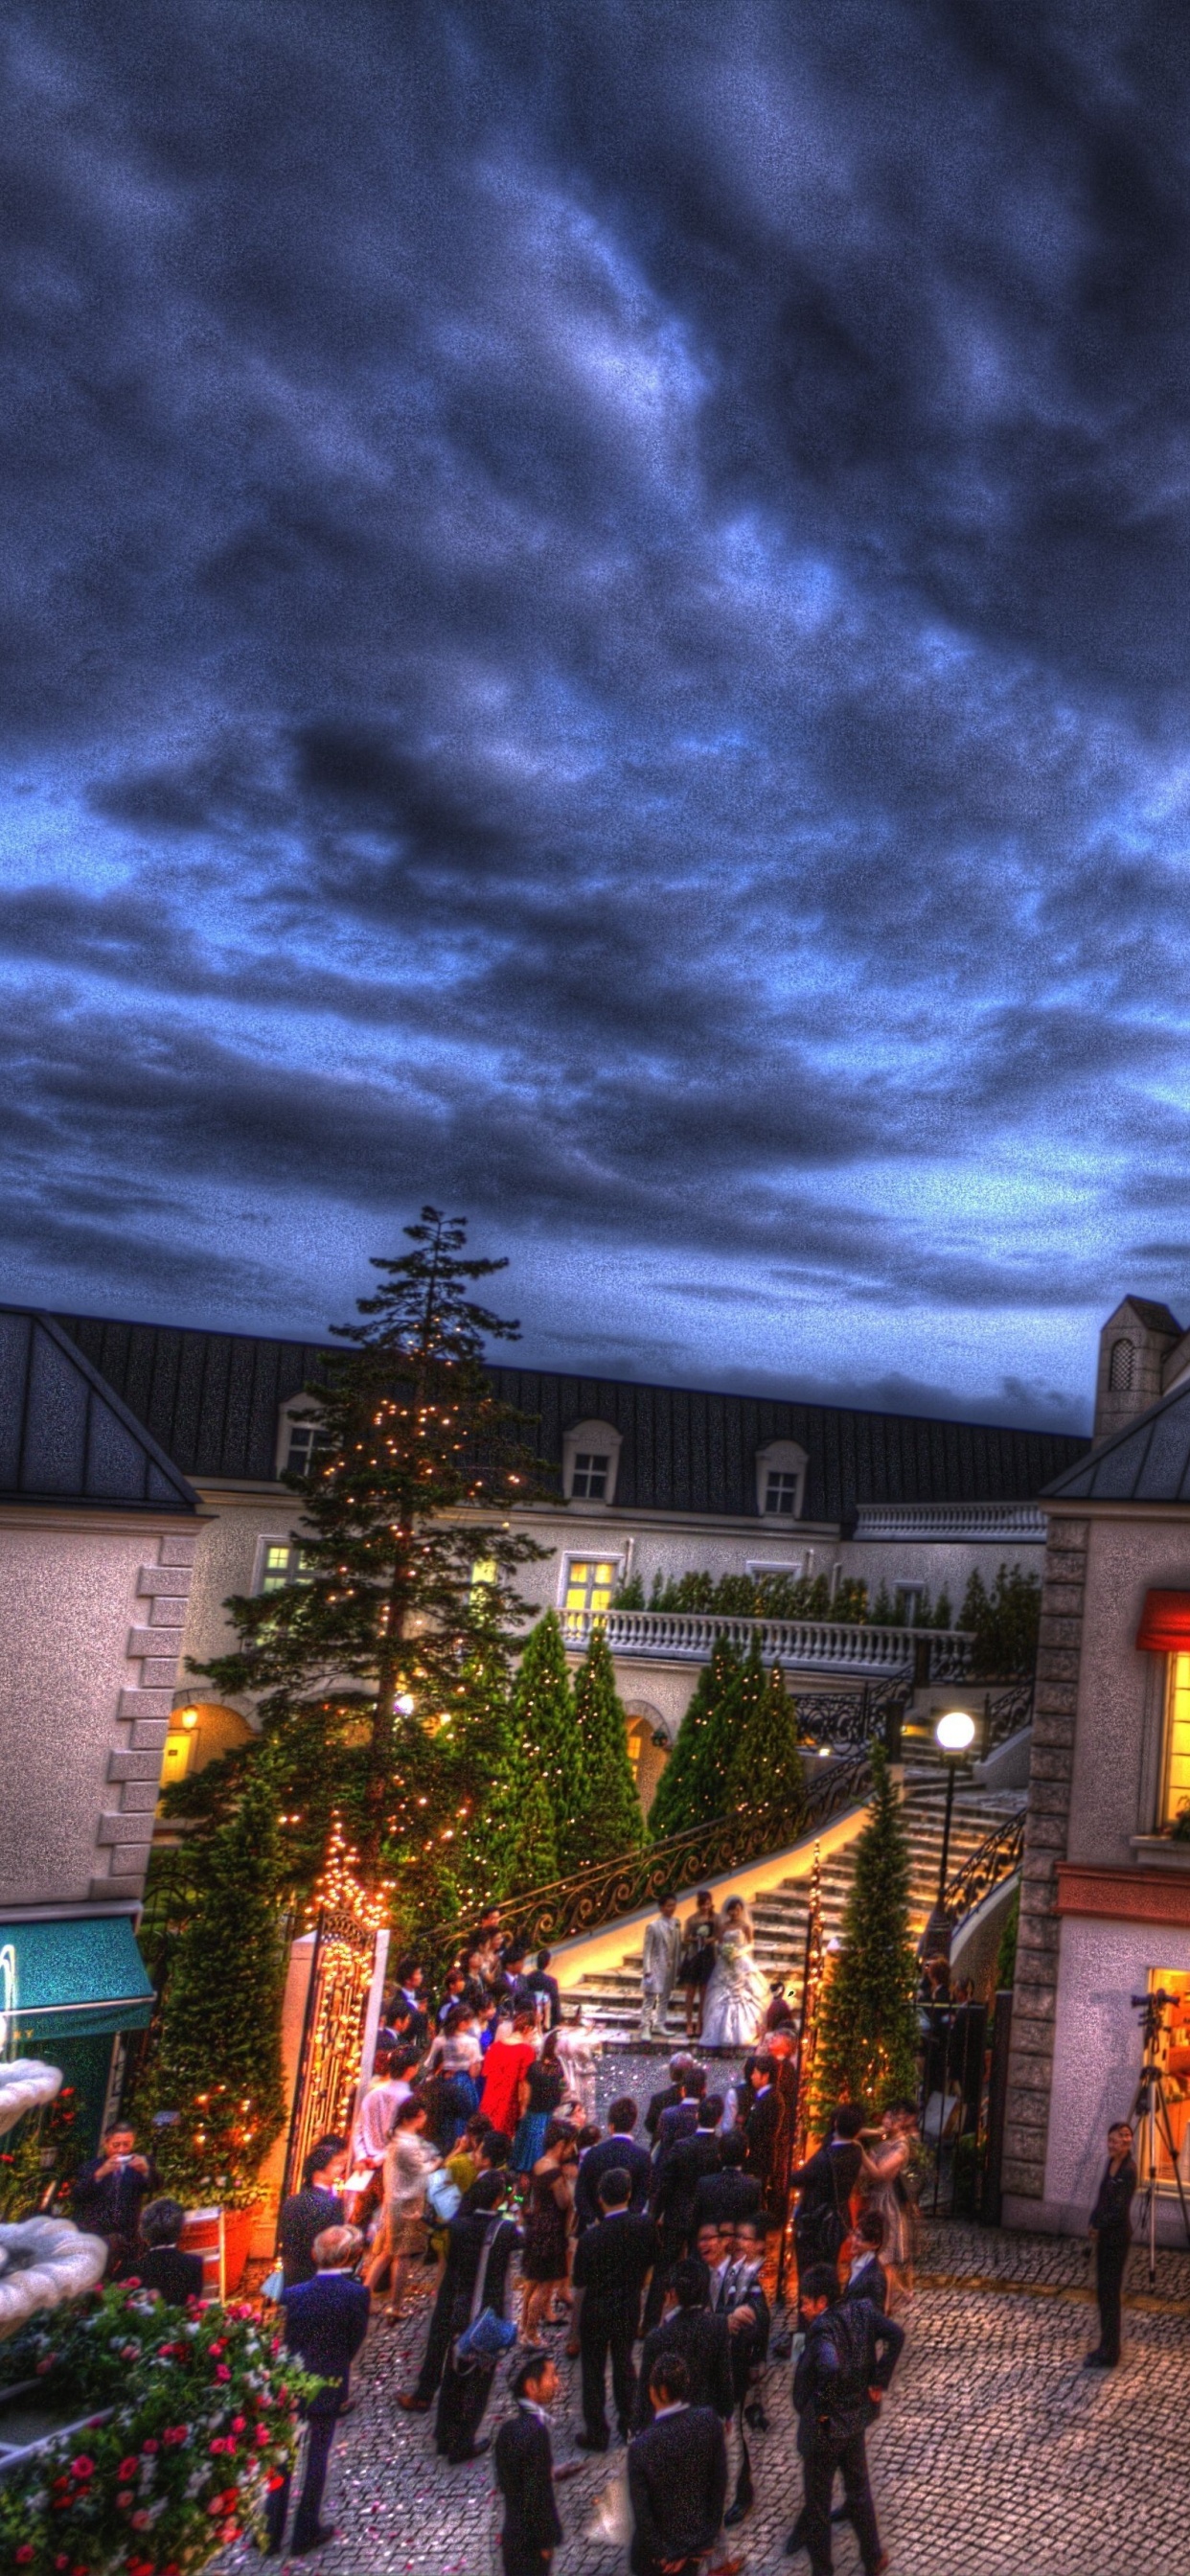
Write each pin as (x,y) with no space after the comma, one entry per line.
(997,2454)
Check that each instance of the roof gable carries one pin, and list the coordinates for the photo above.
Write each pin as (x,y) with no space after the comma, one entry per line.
(1147,1462)
(65,1435)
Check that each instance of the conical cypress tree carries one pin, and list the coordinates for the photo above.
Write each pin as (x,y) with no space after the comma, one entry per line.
(517,1824)
(218,2064)
(766,1769)
(543,1720)
(609,1820)
(867,2021)
(692,1787)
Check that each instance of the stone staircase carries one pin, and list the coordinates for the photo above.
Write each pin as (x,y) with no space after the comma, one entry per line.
(610,1997)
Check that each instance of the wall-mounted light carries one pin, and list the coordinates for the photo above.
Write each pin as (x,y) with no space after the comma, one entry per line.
(188,1717)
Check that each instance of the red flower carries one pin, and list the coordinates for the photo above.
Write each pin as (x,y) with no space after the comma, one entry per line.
(148,2448)
(125,2496)
(263,2435)
(82,2467)
(140,2521)
(238,2422)
(24,2553)
(222,2371)
(128,2469)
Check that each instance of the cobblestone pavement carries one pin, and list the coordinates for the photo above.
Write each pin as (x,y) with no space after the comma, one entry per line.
(997,2454)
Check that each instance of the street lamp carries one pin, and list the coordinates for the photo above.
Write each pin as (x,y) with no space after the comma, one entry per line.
(954,1736)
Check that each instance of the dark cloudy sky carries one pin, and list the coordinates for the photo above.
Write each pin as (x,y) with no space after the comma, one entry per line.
(596,609)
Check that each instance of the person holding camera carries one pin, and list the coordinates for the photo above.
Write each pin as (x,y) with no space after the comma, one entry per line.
(109,2192)
(1111,2236)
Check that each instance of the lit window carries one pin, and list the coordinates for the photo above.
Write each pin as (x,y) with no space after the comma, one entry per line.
(781,1492)
(590,1477)
(590,1583)
(1177,1747)
(282,1565)
(1171,2051)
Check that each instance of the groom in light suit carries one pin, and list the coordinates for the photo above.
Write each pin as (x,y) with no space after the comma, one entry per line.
(663,1949)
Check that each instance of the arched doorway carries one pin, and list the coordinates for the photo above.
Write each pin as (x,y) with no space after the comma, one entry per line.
(648,1748)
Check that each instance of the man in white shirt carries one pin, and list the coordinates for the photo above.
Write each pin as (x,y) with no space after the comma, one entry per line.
(663,1949)
(375,2121)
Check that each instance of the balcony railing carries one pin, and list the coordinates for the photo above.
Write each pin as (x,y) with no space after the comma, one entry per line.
(798,1645)
(1022,1522)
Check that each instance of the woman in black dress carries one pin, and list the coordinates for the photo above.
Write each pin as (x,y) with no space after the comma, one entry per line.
(545,2256)
(699,1941)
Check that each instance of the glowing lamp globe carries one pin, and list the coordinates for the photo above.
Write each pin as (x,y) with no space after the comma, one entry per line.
(955,1733)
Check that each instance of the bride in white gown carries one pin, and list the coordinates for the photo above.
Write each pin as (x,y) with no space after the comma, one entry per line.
(737,1994)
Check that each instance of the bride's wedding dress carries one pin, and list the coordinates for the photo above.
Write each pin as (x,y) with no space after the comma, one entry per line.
(737,1996)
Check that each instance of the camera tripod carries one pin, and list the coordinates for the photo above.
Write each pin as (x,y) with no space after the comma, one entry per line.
(1150,2113)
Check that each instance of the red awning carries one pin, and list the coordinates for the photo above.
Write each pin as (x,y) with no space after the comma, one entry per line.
(1165,1623)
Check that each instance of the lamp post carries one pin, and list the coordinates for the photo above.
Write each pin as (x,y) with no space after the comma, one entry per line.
(954,1736)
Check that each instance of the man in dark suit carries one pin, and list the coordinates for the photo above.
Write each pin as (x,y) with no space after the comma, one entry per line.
(746,2309)
(677,2477)
(620,2150)
(108,2193)
(671,2093)
(611,2265)
(867,2278)
(491,2157)
(846,2364)
(540,1982)
(305,2214)
(464,2393)
(1111,2235)
(762,2120)
(673,2213)
(679,2121)
(730,2193)
(825,2185)
(524,2467)
(688,2328)
(326,2320)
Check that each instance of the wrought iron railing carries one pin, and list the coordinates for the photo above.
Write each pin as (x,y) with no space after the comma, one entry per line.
(800,1645)
(569,1907)
(1007,1712)
(839,1718)
(993,1860)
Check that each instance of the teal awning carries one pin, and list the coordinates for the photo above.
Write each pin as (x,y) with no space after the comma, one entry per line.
(73,1978)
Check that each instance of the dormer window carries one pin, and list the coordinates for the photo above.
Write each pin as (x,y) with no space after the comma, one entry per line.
(780,1480)
(590,1459)
(299,1437)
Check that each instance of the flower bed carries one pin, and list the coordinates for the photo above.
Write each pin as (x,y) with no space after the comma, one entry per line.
(204,2422)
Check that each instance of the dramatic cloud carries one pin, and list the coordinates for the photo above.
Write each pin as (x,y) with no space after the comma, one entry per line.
(595,620)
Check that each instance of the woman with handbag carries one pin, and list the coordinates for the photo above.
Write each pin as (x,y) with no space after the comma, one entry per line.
(544,2086)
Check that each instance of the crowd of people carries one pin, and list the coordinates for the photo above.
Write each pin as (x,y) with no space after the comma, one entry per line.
(648,2245)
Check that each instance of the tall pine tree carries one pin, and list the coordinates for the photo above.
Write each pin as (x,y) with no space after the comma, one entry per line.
(867,2020)
(358,1669)
(692,1790)
(767,1769)
(609,1819)
(218,2061)
(543,1713)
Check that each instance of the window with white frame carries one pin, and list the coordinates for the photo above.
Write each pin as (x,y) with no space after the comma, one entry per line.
(589,1586)
(780,1480)
(590,1460)
(299,1437)
(280,1563)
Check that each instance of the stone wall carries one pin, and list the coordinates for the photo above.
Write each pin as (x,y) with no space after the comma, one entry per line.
(1051,1769)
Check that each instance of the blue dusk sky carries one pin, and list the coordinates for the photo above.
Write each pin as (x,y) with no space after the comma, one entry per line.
(596,616)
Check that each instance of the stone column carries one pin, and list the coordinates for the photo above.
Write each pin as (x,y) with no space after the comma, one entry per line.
(1030,2065)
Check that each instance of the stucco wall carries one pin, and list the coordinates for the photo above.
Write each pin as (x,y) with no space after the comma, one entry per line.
(89,1628)
(1116,1780)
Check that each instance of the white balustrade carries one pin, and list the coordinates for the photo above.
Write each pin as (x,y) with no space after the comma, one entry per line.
(800,1645)
(1023,1523)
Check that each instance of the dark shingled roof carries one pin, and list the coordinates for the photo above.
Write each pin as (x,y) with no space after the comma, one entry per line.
(212,1400)
(65,1437)
(1147,1462)
(1159,1319)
